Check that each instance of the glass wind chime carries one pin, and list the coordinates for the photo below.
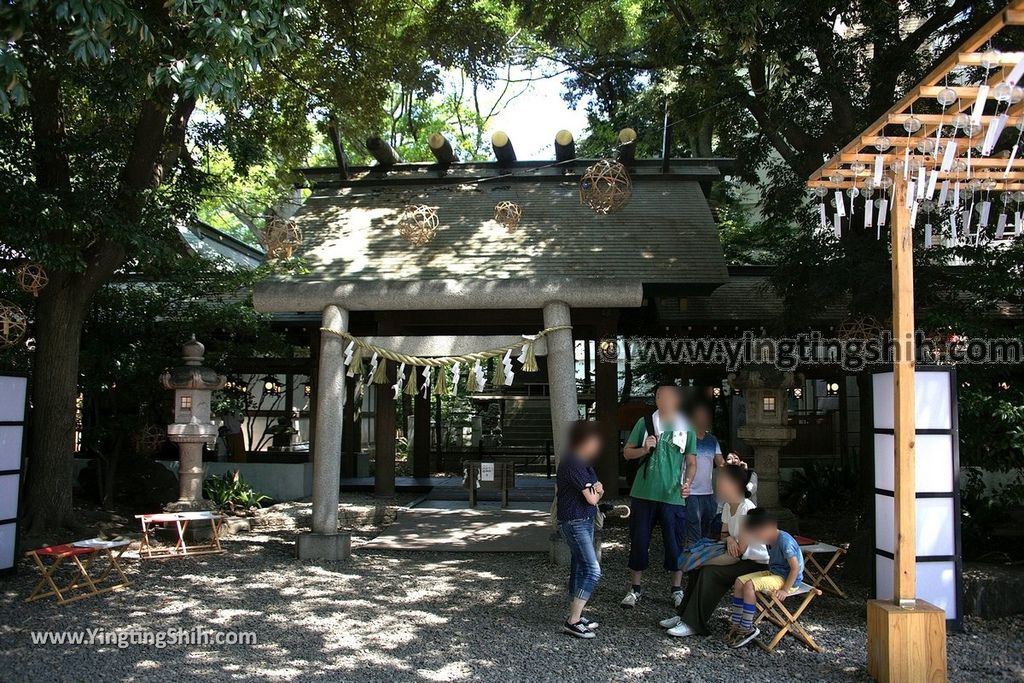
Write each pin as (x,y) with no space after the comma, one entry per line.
(965,199)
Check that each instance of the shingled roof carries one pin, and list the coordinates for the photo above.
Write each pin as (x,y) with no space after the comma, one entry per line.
(665,235)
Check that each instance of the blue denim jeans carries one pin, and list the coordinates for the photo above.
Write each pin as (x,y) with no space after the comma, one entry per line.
(644,516)
(584,569)
(700,517)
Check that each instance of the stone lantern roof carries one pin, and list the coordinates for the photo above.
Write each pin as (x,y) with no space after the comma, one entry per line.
(193,374)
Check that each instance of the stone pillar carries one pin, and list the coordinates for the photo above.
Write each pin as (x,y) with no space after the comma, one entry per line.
(561,364)
(324,542)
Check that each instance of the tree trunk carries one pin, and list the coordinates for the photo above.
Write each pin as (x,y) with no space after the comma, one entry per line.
(58,331)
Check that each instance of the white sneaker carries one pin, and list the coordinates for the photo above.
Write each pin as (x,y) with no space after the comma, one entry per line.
(677,598)
(631,599)
(681,630)
(669,623)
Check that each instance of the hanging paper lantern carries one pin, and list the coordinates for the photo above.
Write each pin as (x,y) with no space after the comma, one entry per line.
(281,237)
(31,278)
(508,214)
(13,324)
(148,439)
(605,187)
(418,224)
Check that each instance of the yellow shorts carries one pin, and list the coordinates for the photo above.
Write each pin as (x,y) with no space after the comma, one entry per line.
(764,581)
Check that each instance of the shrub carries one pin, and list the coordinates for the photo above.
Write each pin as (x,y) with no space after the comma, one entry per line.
(230,493)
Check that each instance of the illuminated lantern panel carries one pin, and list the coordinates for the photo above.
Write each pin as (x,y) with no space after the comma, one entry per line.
(13,393)
(937,507)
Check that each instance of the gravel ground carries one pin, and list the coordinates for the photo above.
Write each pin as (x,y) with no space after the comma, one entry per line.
(416,616)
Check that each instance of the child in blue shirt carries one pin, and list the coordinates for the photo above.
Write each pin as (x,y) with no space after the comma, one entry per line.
(577,494)
(785,570)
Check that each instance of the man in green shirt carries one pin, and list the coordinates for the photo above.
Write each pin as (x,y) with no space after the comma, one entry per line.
(667,450)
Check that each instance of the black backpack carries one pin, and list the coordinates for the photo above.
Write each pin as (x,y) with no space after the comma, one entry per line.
(646,460)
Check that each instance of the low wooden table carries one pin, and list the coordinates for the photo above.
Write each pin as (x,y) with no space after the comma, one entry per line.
(181,521)
(89,549)
(817,573)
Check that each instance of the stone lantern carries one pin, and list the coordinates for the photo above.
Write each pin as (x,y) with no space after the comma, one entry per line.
(765,392)
(193,385)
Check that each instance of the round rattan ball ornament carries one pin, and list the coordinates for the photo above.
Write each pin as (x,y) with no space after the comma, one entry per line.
(860,328)
(281,237)
(418,224)
(31,277)
(508,214)
(13,324)
(605,187)
(148,439)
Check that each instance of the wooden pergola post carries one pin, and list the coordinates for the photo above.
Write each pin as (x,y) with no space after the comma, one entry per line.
(905,580)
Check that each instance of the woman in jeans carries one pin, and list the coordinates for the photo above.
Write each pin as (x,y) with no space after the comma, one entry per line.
(578,492)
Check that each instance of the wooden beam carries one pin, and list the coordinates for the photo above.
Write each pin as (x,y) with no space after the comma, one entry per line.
(931,120)
(504,153)
(846,184)
(1000,58)
(905,560)
(384,153)
(982,162)
(441,149)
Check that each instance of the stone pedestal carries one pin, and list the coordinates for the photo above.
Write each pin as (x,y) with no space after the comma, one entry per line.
(906,644)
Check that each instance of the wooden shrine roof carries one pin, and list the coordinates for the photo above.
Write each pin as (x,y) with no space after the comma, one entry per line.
(665,235)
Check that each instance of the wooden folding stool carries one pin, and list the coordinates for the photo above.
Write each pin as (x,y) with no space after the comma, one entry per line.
(88,549)
(772,609)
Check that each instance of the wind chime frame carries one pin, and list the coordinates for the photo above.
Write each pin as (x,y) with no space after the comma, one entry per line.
(887,162)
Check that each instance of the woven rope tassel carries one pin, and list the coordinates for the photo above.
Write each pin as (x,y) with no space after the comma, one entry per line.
(410,384)
(530,359)
(380,375)
(355,368)
(498,375)
(471,386)
(441,382)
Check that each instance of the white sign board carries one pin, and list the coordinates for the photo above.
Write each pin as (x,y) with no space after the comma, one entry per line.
(13,394)
(487,471)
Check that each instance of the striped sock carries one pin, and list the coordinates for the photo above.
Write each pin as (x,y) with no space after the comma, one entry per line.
(736,610)
(747,622)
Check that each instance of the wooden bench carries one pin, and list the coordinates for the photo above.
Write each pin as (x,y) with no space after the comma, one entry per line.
(181,521)
(772,609)
(89,549)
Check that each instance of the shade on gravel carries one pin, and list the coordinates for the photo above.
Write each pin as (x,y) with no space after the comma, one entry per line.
(423,616)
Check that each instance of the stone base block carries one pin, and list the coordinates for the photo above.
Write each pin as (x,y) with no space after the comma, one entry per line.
(314,546)
(906,644)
